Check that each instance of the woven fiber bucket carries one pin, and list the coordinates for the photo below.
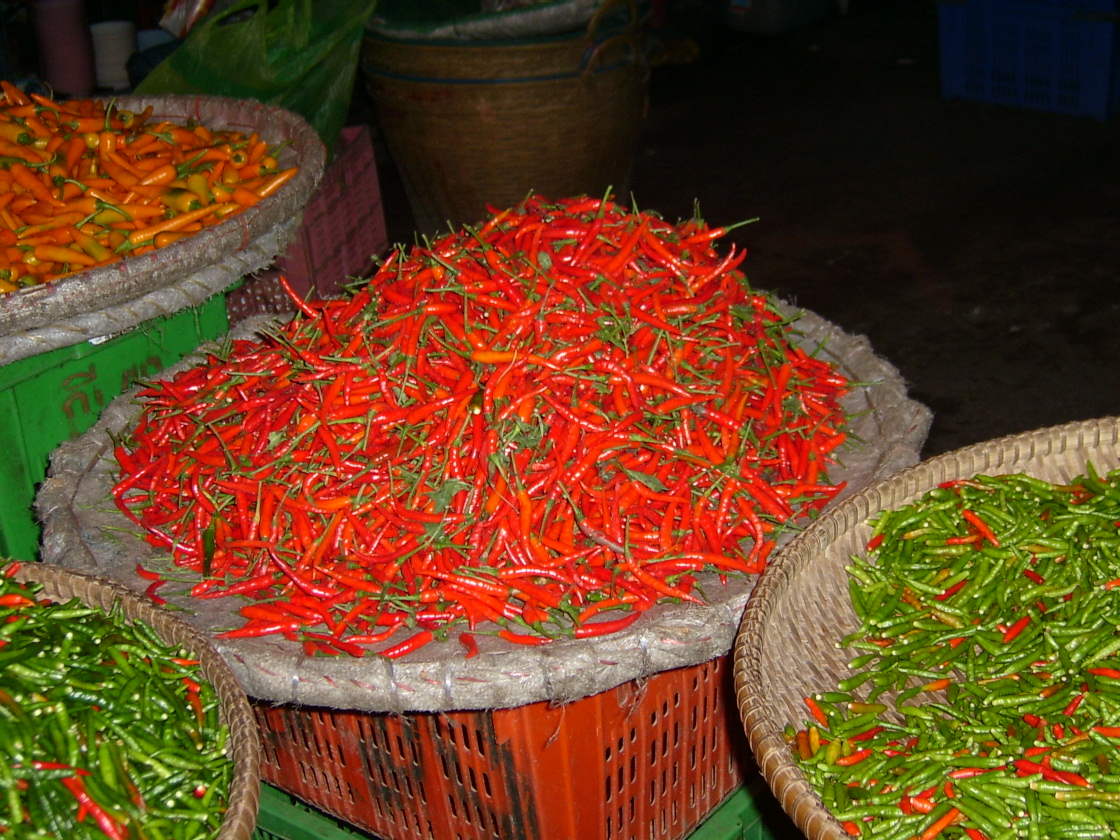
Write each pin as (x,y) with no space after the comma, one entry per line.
(476,123)
(243,749)
(787,648)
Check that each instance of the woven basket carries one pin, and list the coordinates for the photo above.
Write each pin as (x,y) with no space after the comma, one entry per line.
(83,529)
(477,123)
(61,585)
(786,647)
(109,299)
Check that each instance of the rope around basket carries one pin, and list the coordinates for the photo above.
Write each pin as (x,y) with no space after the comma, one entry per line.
(61,585)
(786,647)
(106,300)
(83,529)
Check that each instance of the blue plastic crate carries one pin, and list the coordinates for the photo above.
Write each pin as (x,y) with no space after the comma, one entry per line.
(1084,5)
(1052,56)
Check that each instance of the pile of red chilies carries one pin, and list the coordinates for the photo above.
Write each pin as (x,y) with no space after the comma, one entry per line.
(536,428)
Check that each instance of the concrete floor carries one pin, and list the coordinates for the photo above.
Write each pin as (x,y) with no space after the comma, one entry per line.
(976,246)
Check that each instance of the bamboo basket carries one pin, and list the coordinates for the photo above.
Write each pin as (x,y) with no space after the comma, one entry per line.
(477,124)
(786,646)
(239,822)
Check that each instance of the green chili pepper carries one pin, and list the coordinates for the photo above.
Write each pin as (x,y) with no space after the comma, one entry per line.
(95,706)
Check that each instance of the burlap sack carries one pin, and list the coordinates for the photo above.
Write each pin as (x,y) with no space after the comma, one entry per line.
(83,530)
(110,299)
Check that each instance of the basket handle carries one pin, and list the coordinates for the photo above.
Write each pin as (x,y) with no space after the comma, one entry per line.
(597,46)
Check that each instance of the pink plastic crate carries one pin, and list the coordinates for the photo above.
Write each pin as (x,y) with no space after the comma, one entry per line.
(343,228)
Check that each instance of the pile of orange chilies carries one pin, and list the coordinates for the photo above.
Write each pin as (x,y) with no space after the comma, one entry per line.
(536,428)
(83,184)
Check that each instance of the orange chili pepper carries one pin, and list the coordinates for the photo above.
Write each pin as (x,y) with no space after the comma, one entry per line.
(146,234)
(13,94)
(84,182)
(63,255)
(27,179)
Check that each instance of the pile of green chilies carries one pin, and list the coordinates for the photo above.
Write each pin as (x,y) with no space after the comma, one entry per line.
(984,701)
(536,428)
(105,730)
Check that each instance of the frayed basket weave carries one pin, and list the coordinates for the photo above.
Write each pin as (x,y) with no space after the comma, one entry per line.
(787,649)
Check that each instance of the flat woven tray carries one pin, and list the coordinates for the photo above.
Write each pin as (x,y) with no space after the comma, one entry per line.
(83,529)
(786,647)
(102,301)
(244,745)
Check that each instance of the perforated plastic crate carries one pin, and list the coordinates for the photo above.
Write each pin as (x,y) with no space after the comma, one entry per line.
(55,396)
(1055,56)
(650,758)
(343,229)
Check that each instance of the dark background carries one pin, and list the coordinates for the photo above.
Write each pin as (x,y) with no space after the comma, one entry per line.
(977,246)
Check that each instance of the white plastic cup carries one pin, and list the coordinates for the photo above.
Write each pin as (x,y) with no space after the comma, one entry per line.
(114,42)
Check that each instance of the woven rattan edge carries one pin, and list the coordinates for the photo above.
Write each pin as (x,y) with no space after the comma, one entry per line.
(107,286)
(239,821)
(761,717)
(671,636)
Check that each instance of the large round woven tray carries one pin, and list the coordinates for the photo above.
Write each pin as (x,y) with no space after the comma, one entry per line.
(101,301)
(84,530)
(61,585)
(786,647)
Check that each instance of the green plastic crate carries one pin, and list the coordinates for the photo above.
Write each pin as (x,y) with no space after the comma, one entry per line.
(750,813)
(282,817)
(50,398)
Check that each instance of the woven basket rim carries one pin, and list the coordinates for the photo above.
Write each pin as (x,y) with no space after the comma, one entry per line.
(758,707)
(239,821)
(669,636)
(117,283)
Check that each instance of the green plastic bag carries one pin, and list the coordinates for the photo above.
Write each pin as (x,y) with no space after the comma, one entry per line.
(299,54)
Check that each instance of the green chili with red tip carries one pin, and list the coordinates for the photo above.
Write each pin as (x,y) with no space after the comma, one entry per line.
(1015,668)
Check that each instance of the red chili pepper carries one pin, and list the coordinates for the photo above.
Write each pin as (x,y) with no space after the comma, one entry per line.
(1016,628)
(470,645)
(949,818)
(105,821)
(816,711)
(980,525)
(600,628)
(414,642)
(470,394)
(855,758)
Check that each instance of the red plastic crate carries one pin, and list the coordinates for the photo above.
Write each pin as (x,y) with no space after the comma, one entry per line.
(651,758)
(343,229)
